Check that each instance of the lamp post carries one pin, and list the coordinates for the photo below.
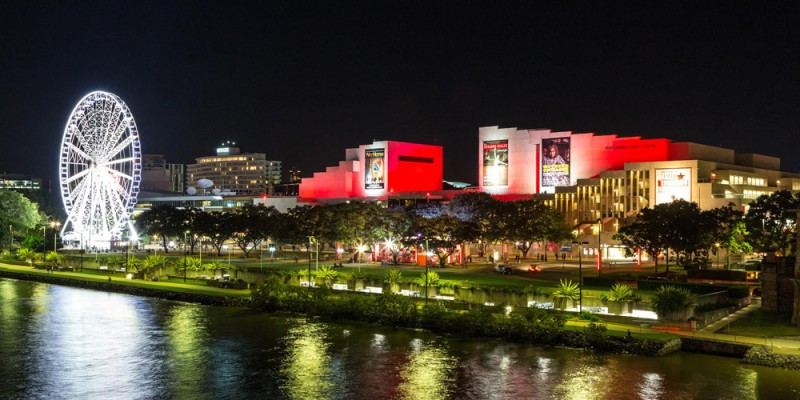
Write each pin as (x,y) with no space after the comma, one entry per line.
(599,249)
(427,255)
(55,225)
(185,255)
(310,238)
(717,244)
(580,274)
(11,233)
(44,242)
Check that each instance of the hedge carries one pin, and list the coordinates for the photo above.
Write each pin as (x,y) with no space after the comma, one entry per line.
(738,292)
(599,281)
(718,274)
(693,287)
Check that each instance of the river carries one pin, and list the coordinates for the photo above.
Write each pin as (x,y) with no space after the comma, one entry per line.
(60,342)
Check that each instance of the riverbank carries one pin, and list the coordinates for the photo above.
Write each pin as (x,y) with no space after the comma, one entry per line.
(524,326)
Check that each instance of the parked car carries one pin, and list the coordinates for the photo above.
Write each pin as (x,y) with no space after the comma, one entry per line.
(534,268)
(502,269)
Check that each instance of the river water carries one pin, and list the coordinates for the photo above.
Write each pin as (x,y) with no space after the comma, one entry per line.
(59,342)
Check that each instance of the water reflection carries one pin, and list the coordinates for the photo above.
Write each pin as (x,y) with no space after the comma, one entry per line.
(58,342)
(307,366)
(428,373)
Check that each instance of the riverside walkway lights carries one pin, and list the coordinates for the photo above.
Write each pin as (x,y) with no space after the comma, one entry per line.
(580,274)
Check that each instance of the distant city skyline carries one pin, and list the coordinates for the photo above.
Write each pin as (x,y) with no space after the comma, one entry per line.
(303,82)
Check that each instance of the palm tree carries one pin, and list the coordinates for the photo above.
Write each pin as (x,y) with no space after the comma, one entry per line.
(214,266)
(154,261)
(135,263)
(27,255)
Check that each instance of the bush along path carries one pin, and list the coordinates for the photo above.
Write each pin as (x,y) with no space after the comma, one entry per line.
(530,325)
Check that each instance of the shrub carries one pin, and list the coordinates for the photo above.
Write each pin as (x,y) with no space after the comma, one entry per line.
(738,292)
(392,276)
(718,274)
(588,316)
(567,289)
(598,281)
(433,278)
(671,299)
(359,275)
(621,292)
(596,337)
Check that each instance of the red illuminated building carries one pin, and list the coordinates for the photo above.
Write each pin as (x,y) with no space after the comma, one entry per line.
(378,171)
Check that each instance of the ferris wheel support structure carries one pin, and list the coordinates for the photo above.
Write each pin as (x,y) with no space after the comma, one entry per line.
(100,168)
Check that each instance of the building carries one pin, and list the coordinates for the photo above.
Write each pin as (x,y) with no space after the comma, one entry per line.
(246,174)
(19,182)
(591,177)
(599,182)
(378,171)
(158,175)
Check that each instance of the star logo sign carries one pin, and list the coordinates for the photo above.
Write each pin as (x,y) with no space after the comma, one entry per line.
(680,176)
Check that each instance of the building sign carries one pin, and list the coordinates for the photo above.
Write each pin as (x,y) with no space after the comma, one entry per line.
(673,184)
(555,162)
(495,163)
(373,174)
(223,151)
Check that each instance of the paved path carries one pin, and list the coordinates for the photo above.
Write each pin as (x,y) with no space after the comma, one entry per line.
(715,326)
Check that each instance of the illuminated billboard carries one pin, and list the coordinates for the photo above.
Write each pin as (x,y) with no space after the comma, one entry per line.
(555,162)
(673,184)
(373,173)
(495,163)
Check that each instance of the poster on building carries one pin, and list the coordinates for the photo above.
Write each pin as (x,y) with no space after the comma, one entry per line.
(673,184)
(495,163)
(373,174)
(555,162)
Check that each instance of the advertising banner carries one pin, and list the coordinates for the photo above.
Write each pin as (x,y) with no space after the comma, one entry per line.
(673,184)
(555,162)
(373,173)
(495,163)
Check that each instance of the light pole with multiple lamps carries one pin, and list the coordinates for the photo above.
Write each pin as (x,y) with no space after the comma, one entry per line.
(580,274)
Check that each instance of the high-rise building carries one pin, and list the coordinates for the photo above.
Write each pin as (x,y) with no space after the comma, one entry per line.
(19,182)
(233,171)
(294,175)
(159,175)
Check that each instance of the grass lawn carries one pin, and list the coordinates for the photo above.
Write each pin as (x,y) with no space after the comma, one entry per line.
(761,323)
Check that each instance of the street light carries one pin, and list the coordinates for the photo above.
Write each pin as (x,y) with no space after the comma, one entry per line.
(599,251)
(55,225)
(717,244)
(185,255)
(11,233)
(427,256)
(580,274)
(361,249)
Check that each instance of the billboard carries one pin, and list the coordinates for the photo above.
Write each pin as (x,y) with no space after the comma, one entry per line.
(374,173)
(673,184)
(555,162)
(495,163)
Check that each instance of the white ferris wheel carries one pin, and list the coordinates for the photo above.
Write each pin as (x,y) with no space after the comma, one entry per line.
(100,170)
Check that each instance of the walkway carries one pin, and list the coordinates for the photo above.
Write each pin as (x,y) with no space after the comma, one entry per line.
(715,326)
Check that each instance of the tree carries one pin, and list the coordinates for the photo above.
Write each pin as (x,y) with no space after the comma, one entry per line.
(253,225)
(679,226)
(443,234)
(482,210)
(731,232)
(772,223)
(216,226)
(163,220)
(17,214)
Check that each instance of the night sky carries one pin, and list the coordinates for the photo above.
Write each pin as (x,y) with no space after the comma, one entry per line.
(303,81)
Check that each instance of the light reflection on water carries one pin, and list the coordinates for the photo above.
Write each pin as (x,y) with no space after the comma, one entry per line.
(65,343)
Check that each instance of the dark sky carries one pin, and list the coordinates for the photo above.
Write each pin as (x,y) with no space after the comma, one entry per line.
(302,81)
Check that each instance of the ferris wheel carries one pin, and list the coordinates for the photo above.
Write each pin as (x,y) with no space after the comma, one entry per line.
(100,170)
